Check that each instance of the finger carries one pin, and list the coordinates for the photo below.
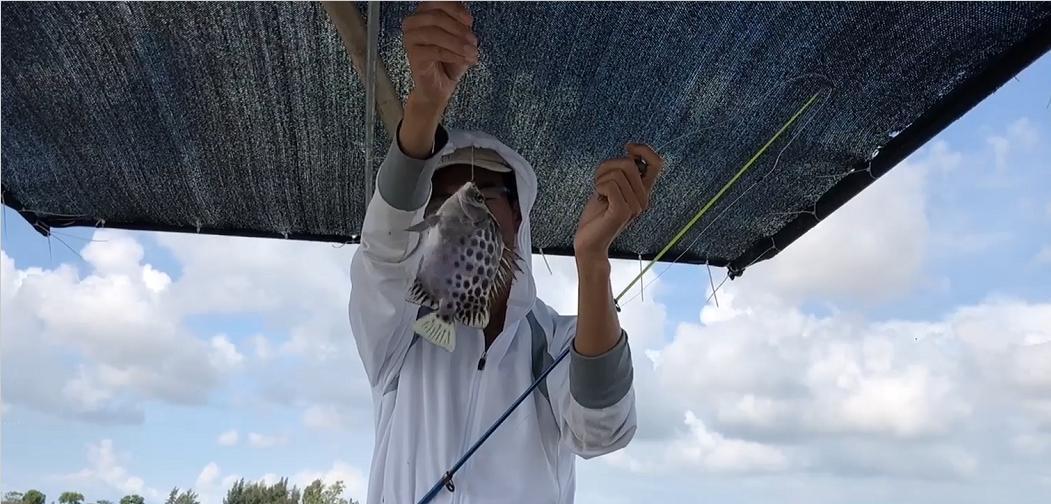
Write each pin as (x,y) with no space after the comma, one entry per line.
(654,163)
(627,193)
(434,53)
(631,173)
(441,20)
(618,213)
(455,9)
(435,36)
(613,165)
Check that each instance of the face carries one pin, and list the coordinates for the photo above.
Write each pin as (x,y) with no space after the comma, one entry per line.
(450,179)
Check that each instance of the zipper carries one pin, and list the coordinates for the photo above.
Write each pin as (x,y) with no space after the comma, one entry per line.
(468,437)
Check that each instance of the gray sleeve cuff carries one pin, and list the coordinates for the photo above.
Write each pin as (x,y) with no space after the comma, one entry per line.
(601,381)
(403,181)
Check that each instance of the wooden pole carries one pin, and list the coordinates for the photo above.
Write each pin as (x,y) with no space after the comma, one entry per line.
(352,30)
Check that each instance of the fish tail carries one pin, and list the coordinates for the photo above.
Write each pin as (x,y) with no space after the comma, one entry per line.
(432,327)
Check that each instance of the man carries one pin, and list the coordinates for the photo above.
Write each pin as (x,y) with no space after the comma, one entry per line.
(432,404)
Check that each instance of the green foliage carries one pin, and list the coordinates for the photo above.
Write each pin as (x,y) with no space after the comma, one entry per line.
(34,497)
(318,493)
(186,497)
(240,493)
(261,493)
(13,498)
(71,498)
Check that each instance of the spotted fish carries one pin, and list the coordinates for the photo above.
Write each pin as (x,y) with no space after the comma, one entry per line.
(464,265)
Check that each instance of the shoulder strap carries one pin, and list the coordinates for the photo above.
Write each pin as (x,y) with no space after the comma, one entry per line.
(541,357)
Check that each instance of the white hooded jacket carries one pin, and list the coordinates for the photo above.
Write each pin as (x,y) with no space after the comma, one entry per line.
(430,404)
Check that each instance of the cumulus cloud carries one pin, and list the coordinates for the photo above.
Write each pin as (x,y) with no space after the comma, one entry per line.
(871,249)
(228,438)
(105,467)
(772,371)
(354,481)
(256,440)
(208,476)
(127,320)
(325,417)
(117,319)
(1020,135)
(713,451)
(224,354)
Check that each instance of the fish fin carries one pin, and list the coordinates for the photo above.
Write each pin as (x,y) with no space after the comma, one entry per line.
(509,265)
(440,332)
(477,316)
(419,296)
(423,225)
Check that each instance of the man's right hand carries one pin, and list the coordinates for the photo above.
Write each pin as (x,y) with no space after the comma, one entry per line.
(440,47)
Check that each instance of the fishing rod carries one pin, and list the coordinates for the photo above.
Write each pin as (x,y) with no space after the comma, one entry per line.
(446,480)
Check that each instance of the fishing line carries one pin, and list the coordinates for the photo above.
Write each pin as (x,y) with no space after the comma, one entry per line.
(700,213)
(725,209)
(736,114)
(446,479)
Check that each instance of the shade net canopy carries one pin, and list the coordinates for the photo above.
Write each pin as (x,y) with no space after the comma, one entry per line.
(248,118)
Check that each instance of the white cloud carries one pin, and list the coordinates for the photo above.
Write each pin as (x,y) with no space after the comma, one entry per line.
(270,478)
(324,417)
(211,486)
(263,349)
(871,249)
(228,438)
(1001,146)
(208,476)
(257,440)
(119,321)
(104,467)
(769,369)
(1031,444)
(224,354)
(1044,255)
(1021,135)
(114,253)
(714,452)
(354,481)
(155,280)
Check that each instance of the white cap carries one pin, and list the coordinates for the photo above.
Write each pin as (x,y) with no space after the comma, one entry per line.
(477,156)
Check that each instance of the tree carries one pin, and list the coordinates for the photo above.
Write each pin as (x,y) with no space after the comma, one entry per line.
(132,499)
(71,498)
(318,493)
(34,497)
(261,493)
(186,497)
(13,498)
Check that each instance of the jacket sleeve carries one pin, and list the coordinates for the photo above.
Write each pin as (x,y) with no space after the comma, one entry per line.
(593,398)
(385,262)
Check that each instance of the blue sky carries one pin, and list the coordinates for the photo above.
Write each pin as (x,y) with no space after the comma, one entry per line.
(901,351)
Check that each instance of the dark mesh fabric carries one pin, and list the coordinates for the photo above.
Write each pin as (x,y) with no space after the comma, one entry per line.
(247,118)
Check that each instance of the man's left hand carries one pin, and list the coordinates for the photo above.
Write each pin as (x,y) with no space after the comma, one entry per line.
(621,194)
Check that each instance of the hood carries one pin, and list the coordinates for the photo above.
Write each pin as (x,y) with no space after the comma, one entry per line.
(523,290)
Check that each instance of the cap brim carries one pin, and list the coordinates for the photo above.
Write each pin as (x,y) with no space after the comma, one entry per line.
(486,165)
